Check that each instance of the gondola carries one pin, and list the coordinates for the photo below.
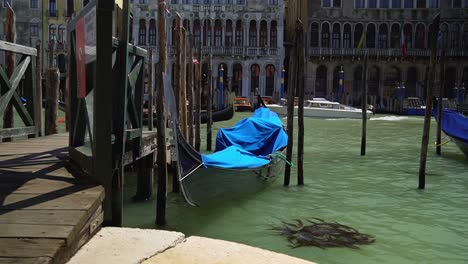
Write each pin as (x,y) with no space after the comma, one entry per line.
(455,125)
(221,115)
(248,158)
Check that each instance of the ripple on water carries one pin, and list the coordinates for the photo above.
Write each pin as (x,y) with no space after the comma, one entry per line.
(376,194)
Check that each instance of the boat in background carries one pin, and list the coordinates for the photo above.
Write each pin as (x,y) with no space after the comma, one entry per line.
(321,108)
(413,106)
(455,125)
(248,157)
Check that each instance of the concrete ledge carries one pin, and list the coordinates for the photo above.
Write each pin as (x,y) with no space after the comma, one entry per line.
(199,250)
(125,245)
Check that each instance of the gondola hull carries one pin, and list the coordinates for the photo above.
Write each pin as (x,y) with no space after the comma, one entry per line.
(211,186)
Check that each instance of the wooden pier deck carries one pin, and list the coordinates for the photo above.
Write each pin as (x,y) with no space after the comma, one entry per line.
(47,210)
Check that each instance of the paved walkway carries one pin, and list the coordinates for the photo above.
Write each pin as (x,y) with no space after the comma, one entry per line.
(46,212)
(148,246)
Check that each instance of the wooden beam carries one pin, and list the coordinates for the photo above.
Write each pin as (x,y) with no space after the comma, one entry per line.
(190,90)
(51,106)
(161,124)
(300,90)
(16,48)
(102,113)
(150,89)
(182,84)
(17,132)
(429,96)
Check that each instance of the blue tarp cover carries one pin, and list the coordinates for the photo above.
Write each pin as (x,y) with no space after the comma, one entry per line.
(248,143)
(455,125)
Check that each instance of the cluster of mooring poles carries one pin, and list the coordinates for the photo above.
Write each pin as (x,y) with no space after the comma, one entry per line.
(296,81)
(188,88)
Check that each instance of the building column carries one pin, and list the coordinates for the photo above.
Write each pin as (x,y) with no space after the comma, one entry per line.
(261,80)
(212,24)
(223,33)
(258,33)
(245,80)
(268,33)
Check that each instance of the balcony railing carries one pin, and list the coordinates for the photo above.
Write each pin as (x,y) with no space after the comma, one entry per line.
(52,12)
(225,51)
(390,52)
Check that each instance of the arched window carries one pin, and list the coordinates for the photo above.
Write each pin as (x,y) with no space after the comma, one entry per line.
(314,35)
(325,35)
(52,32)
(269,80)
(421,4)
(336,36)
(420,36)
(370,36)
(263,33)
(383,35)
(175,33)
(408,31)
(253,34)
(239,39)
(196,32)
(444,30)
(218,33)
(61,34)
(455,36)
(347,36)
(358,30)
(273,35)
(142,33)
(228,34)
(396,3)
(395,36)
(409,3)
(465,37)
(207,33)
(152,32)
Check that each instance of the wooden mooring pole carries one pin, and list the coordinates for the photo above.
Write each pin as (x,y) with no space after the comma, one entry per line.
(52,90)
(209,104)
(161,137)
(182,84)
(429,96)
(150,89)
(197,91)
(190,90)
(300,92)
(10,61)
(364,108)
(439,104)
(38,80)
(290,114)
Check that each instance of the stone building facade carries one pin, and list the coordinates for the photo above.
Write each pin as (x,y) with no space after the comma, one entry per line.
(245,38)
(55,16)
(335,29)
(28,20)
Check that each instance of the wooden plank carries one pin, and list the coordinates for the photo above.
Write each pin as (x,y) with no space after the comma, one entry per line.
(30,248)
(7,46)
(43,186)
(17,132)
(36,231)
(43,217)
(54,201)
(15,260)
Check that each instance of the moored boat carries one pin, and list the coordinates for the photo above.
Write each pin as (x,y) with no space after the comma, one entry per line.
(321,108)
(248,157)
(455,125)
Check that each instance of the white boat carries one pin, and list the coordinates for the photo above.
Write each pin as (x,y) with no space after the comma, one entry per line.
(321,108)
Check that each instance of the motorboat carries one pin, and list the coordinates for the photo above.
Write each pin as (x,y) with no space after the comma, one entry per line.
(321,108)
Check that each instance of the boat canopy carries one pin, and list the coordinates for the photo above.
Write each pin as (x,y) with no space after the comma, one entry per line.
(455,125)
(247,144)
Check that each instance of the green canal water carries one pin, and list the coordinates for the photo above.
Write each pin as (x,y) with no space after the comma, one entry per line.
(376,194)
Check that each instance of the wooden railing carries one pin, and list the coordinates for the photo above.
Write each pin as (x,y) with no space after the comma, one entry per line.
(28,105)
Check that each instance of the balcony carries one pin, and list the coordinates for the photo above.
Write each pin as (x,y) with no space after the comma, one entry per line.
(223,51)
(52,12)
(384,53)
(57,46)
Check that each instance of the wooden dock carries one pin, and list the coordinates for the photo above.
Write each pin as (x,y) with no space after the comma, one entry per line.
(47,210)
